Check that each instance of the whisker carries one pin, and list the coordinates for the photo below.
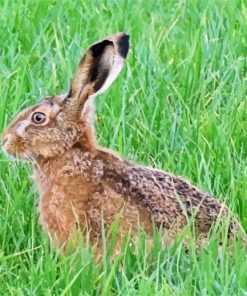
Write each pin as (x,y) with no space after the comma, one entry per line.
(34,161)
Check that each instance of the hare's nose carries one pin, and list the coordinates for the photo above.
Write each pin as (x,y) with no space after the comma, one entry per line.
(5,140)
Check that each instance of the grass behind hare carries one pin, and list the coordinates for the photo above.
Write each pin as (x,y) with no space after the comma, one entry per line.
(180,105)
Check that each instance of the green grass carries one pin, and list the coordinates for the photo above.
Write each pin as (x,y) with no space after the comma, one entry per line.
(179,105)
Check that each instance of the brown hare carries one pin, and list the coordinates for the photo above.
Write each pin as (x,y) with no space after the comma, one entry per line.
(82,185)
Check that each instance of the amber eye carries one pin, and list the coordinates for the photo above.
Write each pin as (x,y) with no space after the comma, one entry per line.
(38,117)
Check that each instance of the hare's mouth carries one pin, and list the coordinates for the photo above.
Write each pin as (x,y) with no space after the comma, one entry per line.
(15,154)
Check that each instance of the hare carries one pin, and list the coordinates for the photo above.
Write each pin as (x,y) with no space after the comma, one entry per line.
(82,185)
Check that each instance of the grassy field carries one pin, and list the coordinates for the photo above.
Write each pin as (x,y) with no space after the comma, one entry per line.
(179,105)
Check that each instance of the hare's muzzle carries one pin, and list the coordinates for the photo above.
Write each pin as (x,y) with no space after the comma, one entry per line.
(12,144)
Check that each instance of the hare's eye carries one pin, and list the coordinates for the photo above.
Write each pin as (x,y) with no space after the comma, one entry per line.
(38,117)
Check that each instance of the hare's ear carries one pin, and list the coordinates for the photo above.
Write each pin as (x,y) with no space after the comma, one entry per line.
(99,67)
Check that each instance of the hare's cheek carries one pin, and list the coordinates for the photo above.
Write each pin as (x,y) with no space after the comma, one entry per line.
(47,150)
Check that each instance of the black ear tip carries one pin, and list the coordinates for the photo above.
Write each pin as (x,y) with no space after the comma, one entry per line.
(123,45)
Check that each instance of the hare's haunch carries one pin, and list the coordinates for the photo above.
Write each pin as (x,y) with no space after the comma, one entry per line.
(82,185)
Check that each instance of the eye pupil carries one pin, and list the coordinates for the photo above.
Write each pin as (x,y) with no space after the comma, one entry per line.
(38,117)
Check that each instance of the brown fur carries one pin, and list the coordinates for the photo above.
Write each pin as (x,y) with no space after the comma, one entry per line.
(82,185)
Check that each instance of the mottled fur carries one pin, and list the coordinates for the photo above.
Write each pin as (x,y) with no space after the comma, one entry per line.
(82,185)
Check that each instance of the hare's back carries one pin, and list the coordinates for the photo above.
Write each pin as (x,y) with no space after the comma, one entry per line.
(171,200)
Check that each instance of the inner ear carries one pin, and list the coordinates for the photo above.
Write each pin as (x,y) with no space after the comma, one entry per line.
(93,69)
(102,54)
(98,48)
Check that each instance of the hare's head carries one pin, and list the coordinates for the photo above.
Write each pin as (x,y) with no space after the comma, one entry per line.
(54,125)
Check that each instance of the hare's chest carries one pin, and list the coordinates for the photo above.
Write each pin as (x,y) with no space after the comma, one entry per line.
(72,194)
(62,207)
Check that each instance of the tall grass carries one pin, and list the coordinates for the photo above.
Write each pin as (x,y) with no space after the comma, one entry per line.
(179,105)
